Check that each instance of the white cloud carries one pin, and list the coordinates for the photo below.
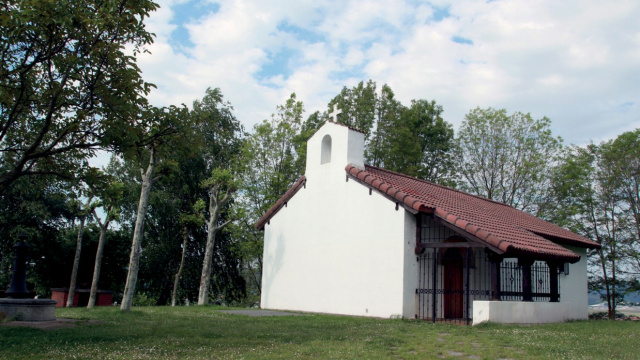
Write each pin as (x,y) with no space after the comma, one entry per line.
(577,62)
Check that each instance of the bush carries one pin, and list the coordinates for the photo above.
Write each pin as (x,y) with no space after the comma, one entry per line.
(143,300)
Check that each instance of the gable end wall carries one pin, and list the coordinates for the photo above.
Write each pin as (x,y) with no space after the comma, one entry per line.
(337,249)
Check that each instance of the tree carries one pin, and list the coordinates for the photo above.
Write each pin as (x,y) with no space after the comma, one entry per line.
(272,159)
(164,125)
(217,130)
(589,189)
(110,198)
(505,157)
(84,211)
(208,136)
(67,87)
(220,187)
(358,106)
(188,221)
(418,142)
(388,111)
(220,134)
(623,155)
(271,155)
(414,140)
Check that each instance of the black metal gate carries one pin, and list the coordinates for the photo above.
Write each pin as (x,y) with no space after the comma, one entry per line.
(443,297)
(449,280)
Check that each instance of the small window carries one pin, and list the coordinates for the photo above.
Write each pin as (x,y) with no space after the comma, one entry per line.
(326,150)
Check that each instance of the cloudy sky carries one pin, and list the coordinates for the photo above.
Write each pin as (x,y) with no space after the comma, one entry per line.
(576,62)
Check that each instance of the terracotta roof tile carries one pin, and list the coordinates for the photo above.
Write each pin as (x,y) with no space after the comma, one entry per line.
(499,225)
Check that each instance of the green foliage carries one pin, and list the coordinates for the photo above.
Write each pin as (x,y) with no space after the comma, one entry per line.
(142,299)
(358,106)
(413,140)
(596,189)
(420,143)
(269,158)
(506,157)
(67,87)
(195,149)
(218,131)
(39,209)
(221,178)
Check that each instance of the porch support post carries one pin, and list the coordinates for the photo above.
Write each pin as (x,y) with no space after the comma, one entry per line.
(467,289)
(525,265)
(434,287)
(495,260)
(418,249)
(553,281)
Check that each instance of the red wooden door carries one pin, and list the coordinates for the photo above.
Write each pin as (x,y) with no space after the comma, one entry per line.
(453,284)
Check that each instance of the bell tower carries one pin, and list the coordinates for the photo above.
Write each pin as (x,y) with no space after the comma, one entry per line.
(332,148)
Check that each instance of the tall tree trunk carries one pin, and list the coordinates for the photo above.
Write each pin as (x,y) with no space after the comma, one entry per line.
(606,283)
(76,263)
(98,264)
(205,277)
(215,205)
(185,240)
(136,244)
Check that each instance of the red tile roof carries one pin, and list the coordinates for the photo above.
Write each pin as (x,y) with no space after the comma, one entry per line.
(499,225)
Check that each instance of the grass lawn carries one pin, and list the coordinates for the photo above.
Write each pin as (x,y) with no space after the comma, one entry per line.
(203,333)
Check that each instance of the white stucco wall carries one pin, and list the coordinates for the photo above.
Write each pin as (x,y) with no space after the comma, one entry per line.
(336,249)
(573,287)
(520,312)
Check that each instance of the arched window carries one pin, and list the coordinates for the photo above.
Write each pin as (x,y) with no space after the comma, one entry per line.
(326,150)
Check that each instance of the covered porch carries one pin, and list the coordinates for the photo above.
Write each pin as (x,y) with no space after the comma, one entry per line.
(464,280)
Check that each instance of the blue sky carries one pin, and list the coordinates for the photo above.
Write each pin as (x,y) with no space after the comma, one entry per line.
(576,62)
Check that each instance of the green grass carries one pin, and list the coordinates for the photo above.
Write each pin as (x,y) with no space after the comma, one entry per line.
(203,333)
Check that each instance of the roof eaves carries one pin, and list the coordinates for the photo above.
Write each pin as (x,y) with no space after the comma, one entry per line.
(546,256)
(407,201)
(471,231)
(281,202)
(587,243)
(496,243)
(438,185)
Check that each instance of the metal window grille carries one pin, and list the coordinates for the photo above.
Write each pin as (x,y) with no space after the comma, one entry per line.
(451,278)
